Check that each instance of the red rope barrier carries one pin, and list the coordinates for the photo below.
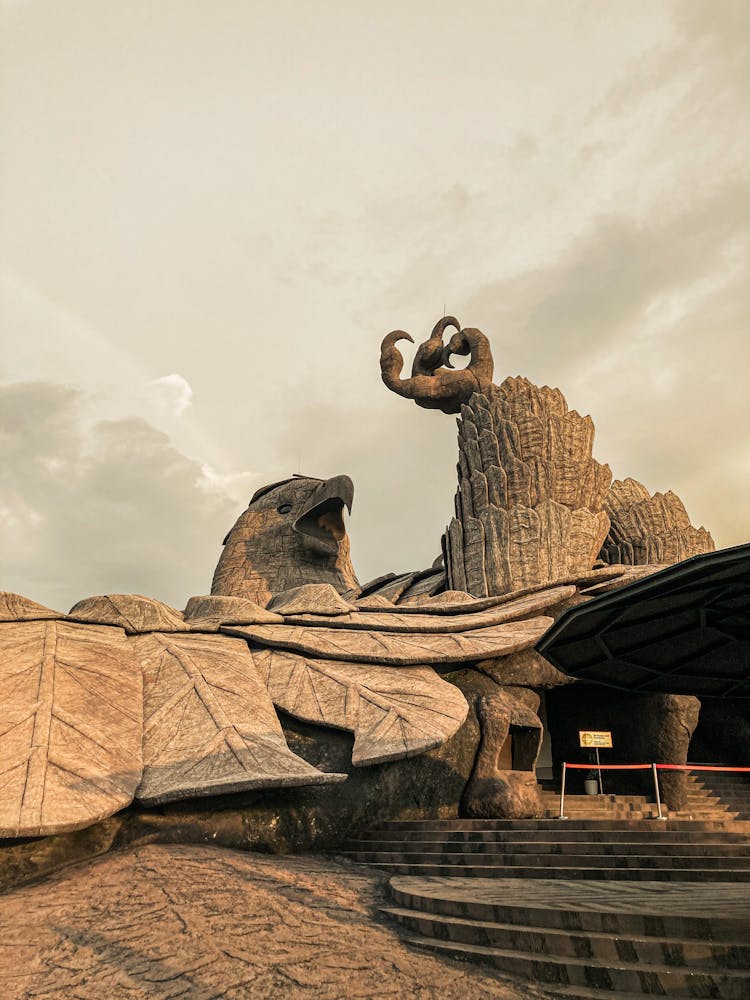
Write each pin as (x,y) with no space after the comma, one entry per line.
(609,767)
(660,767)
(697,767)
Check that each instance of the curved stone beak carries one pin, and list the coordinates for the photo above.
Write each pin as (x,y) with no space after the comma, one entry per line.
(321,522)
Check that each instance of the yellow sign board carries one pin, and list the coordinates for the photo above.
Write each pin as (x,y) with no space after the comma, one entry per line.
(595,739)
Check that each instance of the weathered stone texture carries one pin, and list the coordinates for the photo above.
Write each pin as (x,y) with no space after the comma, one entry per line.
(70,748)
(431,385)
(649,529)
(193,921)
(292,533)
(526,668)
(131,612)
(310,599)
(493,790)
(15,608)
(208,612)
(392,713)
(209,726)
(529,500)
(397,649)
(434,623)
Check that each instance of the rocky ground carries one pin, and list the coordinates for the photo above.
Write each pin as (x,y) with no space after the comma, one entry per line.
(203,922)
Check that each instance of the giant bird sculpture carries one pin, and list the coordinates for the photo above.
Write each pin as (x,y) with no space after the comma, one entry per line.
(124,697)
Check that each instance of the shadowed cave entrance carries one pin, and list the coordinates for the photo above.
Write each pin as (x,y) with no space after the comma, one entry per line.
(520,749)
(645,728)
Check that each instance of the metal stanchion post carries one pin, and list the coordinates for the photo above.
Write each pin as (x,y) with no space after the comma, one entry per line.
(562,793)
(658,796)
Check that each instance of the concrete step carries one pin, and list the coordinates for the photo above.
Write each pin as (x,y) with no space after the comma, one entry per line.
(548,941)
(586,973)
(612,826)
(592,872)
(554,848)
(601,797)
(590,940)
(717,912)
(561,832)
(667,862)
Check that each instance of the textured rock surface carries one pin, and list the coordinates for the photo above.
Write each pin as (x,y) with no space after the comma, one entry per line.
(281,820)
(131,612)
(210,611)
(197,922)
(392,713)
(528,509)
(435,623)
(15,608)
(70,749)
(209,725)
(526,668)
(669,728)
(397,649)
(311,599)
(649,529)
(495,790)
(292,533)
(630,575)
(526,601)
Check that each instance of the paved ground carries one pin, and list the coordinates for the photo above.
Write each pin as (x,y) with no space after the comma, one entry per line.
(685,899)
(202,923)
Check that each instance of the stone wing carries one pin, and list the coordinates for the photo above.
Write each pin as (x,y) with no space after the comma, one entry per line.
(70,746)
(424,620)
(392,713)
(209,725)
(397,649)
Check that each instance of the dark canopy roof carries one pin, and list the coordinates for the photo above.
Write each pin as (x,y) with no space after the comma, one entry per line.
(684,630)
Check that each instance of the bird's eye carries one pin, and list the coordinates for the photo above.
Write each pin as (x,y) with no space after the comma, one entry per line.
(284,508)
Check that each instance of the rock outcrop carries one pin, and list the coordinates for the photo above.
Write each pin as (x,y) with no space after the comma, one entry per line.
(646,529)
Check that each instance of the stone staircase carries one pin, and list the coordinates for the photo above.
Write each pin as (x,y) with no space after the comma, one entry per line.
(634,850)
(571,945)
(584,908)
(712,796)
(731,790)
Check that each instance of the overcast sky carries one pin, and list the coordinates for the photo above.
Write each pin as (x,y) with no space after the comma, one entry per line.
(213,211)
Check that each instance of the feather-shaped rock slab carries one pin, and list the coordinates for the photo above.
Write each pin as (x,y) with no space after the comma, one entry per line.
(392,713)
(70,737)
(397,649)
(209,726)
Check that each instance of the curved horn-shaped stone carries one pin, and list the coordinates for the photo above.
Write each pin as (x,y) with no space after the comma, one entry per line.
(429,355)
(472,341)
(441,389)
(392,360)
(456,345)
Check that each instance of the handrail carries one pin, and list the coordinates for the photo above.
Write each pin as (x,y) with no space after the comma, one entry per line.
(655,768)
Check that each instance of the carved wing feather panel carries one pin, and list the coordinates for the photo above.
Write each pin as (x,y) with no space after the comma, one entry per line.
(70,747)
(397,649)
(392,713)
(209,725)
(435,623)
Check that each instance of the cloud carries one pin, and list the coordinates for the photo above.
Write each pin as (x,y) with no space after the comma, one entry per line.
(106,506)
(173,392)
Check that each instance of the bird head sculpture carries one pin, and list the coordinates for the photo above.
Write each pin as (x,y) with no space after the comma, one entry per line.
(292,533)
(434,384)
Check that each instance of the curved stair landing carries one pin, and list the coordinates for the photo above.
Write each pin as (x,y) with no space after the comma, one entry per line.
(586,909)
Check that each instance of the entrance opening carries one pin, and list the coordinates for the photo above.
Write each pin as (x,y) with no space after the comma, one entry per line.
(643,730)
(520,749)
